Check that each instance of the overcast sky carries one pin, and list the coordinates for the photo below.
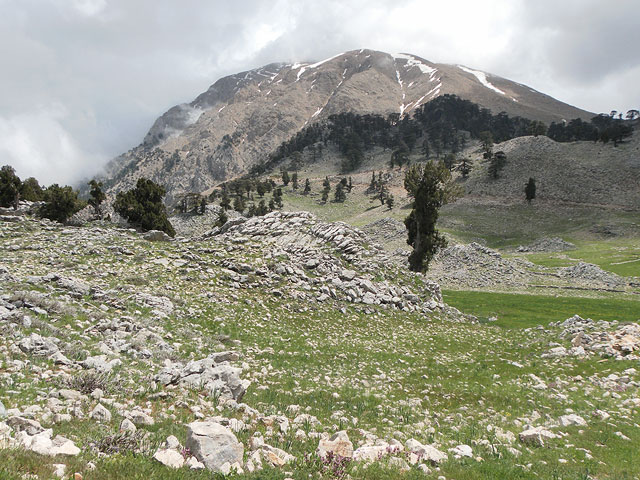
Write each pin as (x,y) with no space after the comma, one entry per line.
(83,80)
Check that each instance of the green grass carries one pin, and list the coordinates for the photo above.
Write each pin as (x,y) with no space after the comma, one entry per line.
(521,310)
(617,255)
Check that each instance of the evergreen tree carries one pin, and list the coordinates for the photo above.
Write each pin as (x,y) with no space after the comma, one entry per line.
(10,186)
(530,190)
(537,128)
(222,218)
(60,203)
(261,209)
(31,190)
(277,197)
(390,201)
(425,147)
(496,162)
(307,187)
(142,206)
(373,185)
(464,167)
(239,204)
(285,178)
(272,205)
(96,195)
(326,188)
(203,206)
(225,201)
(251,211)
(260,189)
(382,193)
(431,187)
(349,185)
(340,196)
(449,160)
(294,180)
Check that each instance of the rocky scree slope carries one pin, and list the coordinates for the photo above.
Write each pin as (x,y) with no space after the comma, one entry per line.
(242,118)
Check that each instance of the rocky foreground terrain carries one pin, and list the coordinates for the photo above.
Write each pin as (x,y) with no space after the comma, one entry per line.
(286,347)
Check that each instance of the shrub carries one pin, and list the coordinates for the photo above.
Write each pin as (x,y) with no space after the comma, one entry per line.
(143,207)
(60,203)
(9,187)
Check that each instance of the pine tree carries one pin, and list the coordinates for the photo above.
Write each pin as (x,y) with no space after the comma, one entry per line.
(225,201)
(340,196)
(530,190)
(238,204)
(382,194)
(430,186)
(262,209)
(326,189)
(97,196)
(390,201)
(496,162)
(10,185)
(349,185)
(31,190)
(143,206)
(277,197)
(285,178)
(464,167)
(307,187)
(294,181)
(222,218)
(60,203)
(260,189)
(272,205)
(373,185)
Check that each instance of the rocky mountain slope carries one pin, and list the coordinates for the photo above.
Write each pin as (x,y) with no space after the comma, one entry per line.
(244,117)
(573,172)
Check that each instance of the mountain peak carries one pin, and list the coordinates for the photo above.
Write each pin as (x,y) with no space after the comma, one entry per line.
(243,117)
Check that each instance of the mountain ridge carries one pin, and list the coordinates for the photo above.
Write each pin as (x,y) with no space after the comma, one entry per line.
(243,117)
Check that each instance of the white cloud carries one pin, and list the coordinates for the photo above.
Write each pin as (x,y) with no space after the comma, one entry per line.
(37,145)
(116,65)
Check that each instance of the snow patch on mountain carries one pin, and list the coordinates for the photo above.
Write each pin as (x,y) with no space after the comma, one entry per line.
(482,78)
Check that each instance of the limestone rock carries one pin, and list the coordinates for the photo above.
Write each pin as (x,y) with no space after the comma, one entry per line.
(338,444)
(572,420)
(100,414)
(170,458)
(157,236)
(214,445)
(536,436)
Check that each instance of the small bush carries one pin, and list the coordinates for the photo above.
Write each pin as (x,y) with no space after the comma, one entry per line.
(123,442)
(89,381)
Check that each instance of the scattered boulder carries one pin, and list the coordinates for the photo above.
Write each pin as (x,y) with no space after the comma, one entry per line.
(169,457)
(338,444)
(572,420)
(536,436)
(215,446)
(37,345)
(157,236)
(100,414)
(214,374)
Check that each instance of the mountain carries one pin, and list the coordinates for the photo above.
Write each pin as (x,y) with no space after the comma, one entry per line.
(242,118)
